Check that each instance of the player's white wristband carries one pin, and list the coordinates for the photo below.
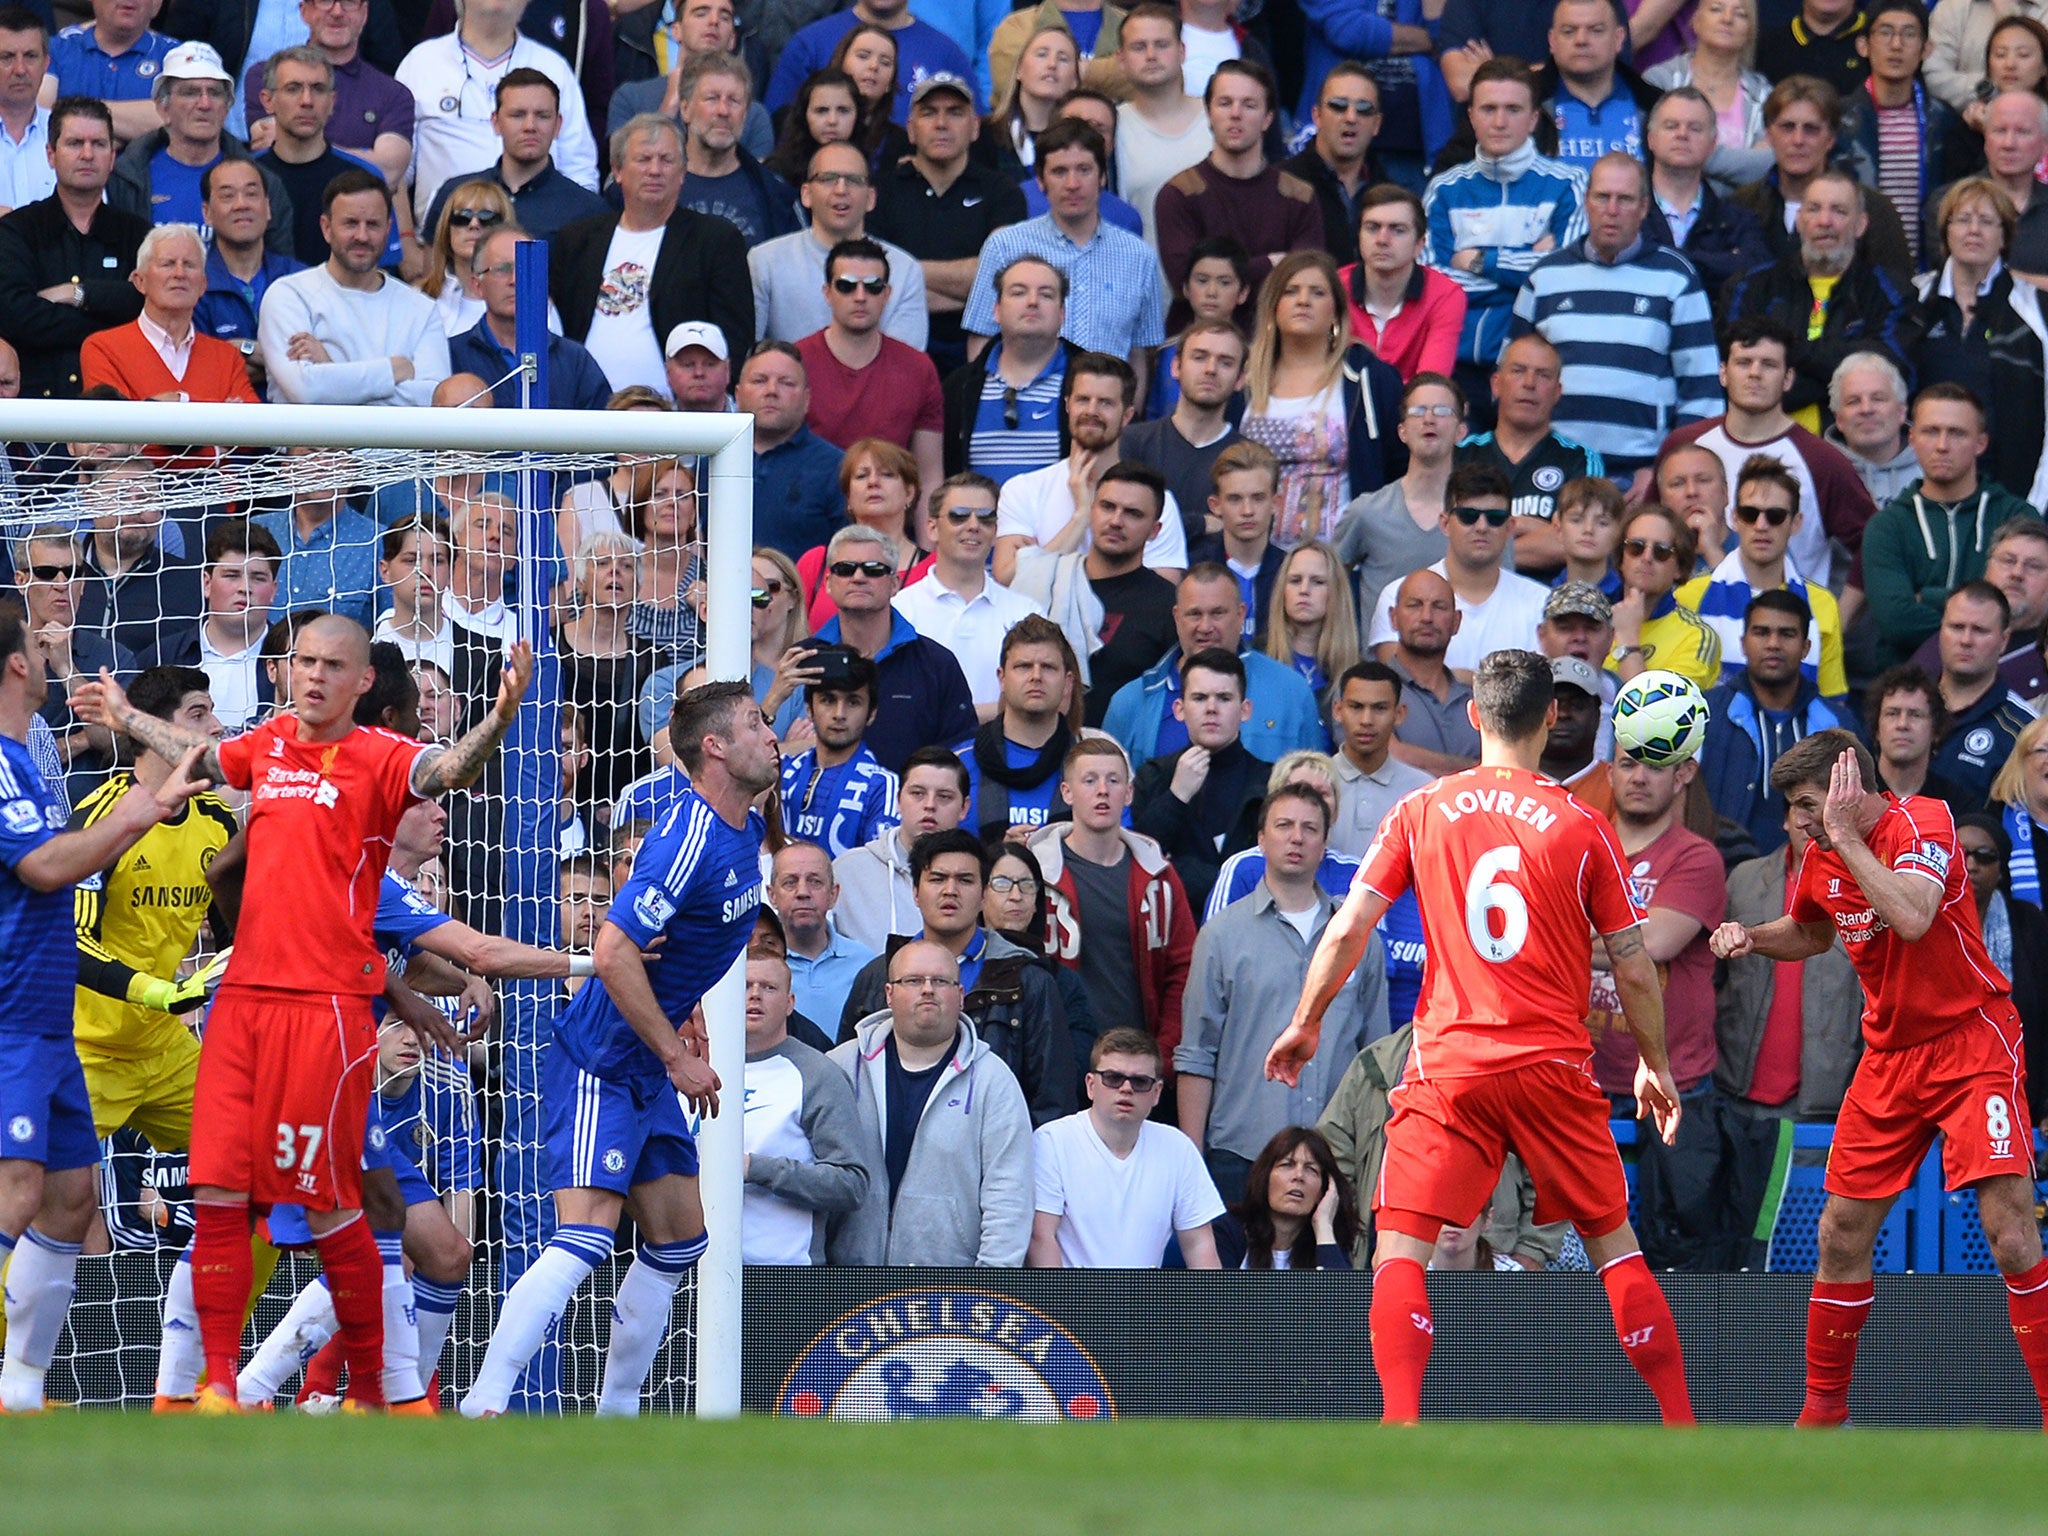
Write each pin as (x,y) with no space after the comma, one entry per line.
(582,965)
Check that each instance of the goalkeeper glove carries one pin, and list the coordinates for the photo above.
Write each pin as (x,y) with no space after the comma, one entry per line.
(179,996)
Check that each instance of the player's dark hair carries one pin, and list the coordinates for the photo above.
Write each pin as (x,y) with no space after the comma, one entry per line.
(394,693)
(1124,1041)
(1216,659)
(1810,762)
(1256,1216)
(159,691)
(1982,591)
(1369,672)
(1906,677)
(939,757)
(1778,600)
(239,536)
(706,710)
(1477,478)
(13,631)
(1513,691)
(934,845)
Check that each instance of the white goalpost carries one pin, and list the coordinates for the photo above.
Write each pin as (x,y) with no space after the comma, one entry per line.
(243,468)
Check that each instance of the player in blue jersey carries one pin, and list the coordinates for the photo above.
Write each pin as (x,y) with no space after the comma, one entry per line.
(627,1047)
(835,794)
(48,1149)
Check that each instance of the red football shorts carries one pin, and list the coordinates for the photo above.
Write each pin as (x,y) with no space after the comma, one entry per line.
(1969,1084)
(284,1096)
(1448,1136)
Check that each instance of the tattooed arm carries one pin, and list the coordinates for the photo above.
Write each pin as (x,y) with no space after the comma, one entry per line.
(106,703)
(460,766)
(1642,1004)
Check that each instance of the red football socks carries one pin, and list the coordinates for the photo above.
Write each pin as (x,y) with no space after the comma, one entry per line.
(1401,1335)
(323,1372)
(1834,1322)
(1649,1337)
(222,1271)
(2026,1297)
(355,1279)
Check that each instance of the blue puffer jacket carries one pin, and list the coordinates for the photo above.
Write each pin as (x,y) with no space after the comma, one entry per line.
(1732,761)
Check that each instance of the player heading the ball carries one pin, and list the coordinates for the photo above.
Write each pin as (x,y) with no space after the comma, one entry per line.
(1519,879)
(1942,1046)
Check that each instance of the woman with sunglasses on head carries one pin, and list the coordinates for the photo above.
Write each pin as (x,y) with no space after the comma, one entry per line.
(1979,326)
(881,486)
(778,624)
(827,110)
(1651,627)
(2016,936)
(604,665)
(1325,405)
(1298,1210)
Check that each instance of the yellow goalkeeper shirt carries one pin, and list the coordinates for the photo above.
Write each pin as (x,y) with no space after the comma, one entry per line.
(143,915)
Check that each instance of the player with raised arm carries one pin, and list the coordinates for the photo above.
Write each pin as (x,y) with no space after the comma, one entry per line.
(48,1149)
(285,1069)
(1519,877)
(1942,1055)
(626,1047)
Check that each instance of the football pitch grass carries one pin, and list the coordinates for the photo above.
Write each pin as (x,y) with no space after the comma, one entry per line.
(101,1472)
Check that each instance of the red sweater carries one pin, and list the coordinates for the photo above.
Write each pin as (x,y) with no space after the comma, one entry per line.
(1423,337)
(124,358)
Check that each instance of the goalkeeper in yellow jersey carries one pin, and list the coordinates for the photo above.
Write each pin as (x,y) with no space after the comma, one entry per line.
(137,921)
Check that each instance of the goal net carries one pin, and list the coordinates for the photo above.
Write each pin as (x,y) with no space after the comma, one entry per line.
(147,534)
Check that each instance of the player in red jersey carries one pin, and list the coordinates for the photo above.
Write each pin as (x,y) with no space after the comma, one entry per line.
(1513,877)
(285,1070)
(1942,1038)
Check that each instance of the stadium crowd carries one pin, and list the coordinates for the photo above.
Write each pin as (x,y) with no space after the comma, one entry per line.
(1159,413)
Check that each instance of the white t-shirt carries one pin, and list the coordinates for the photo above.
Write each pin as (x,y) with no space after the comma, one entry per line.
(1505,621)
(772,1229)
(622,326)
(1038,504)
(1206,50)
(1147,159)
(1118,1213)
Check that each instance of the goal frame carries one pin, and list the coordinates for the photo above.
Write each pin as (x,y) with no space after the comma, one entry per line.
(727,441)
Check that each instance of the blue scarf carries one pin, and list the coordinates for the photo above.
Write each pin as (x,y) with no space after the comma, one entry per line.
(2022,869)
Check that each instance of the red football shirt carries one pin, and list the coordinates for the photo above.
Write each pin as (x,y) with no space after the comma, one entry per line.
(1912,992)
(1512,876)
(321,819)
(893,398)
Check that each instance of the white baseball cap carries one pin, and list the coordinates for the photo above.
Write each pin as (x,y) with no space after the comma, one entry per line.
(194,61)
(698,333)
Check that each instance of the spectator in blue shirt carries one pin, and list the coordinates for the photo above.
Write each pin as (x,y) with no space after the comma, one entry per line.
(822,961)
(114,57)
(330,551)
(921,50)
(240,266)
(575,381)
(797,501)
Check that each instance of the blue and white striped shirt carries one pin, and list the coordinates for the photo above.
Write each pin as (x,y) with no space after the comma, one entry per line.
(1116,293)
(1636,336)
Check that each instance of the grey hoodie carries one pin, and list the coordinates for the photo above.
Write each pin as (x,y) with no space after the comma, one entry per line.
(967,1193)
(875,897)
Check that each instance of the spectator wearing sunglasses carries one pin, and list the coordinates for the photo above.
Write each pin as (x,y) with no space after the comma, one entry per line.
(1003,415)
(957,603)
(1766,515)
(1497,609)
(1251,962)
(864,383)
(1651,627)
(1113,1185)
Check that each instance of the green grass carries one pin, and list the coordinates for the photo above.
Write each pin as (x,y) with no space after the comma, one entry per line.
(299,1477)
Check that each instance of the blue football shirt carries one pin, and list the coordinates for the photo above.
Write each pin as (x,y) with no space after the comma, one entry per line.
(696,882)
(837,808)
(38,943)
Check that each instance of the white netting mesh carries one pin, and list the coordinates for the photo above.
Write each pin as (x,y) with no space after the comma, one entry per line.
(110,548)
